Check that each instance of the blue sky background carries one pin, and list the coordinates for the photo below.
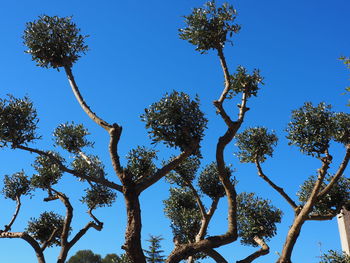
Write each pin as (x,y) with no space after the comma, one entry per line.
(135,57)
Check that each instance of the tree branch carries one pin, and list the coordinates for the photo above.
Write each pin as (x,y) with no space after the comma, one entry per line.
(274,186)
(261,252)
(47,242)
(215,255)
(82,102)
(18,206)
(115,134)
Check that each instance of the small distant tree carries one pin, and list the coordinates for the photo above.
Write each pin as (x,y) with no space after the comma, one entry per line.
(335,257)
(154,253)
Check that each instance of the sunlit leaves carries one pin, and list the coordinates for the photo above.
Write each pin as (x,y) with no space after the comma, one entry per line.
(93,167)
(42,228)
(184,173)
(333,201)
(242,82)
(342,128)
(208,28)
(48,170)
(335,257)
(175,120)
(71,137)
(54,41)
(98,196)
(256,217)
(255,144)
(182,210)
(209,181)
(16,185)
(18,121)
(140,162)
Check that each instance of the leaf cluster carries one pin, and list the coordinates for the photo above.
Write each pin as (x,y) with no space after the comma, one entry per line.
(242,82)
(207,28)
(256,217)
(209,181)
(94,169)
(16,185)
(255,144)
(335,257)
(98,196)
(42,228)
(333,201)
(54,41)
(49,172)
(183,211)
(313,127)
(176,120)
(18,121)
(184,173)
(71,137)
(140,163)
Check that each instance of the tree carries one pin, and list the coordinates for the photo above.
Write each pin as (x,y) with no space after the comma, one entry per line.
(85,256)
(177,121)
(335,257)
(154,253)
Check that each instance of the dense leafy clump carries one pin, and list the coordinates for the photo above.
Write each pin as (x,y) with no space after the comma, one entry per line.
(255,144)
(182,210)
(71,137)
(49,172)
(243,82)
(140,163)
(208,28)
(335,257)
(175,120)
(311,128)
(256,217)
(184,173)
(54,42)
(42,228)
(92,167)
(209,181)
(18,120)
(333,201)
(98,196)
(342,128)
(16,185)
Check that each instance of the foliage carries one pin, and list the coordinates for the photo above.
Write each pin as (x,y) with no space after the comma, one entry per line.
(16,185)
(54,42)
(140,163)
(18,120)
(207,27)
(71,137)
(176,120)
(85,256)
(311,128)
(335,257)
(111,258)
(256,217)
(48,170)
(255,144)
(342,128)
(182,210)
(333,201)
(94,169)
(153,254)
(244,82)
(42,228)
(98,196)
(185,172)
(209,181)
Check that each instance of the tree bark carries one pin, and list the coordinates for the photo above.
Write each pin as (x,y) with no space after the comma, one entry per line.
(261,252)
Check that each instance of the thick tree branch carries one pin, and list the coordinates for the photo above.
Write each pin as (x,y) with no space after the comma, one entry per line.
(64,168)
(18,206)
(316,217)
(82,102)
(115,134)
(261,252)
(274,186)
(338,174)
(47,242)
(215,255)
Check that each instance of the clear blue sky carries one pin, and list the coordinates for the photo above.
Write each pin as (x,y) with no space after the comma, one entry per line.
(136,56)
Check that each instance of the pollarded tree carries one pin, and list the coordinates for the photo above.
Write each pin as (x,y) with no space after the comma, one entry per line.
(312,129)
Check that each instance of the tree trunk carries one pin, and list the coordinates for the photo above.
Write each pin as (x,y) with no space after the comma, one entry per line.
(132,244)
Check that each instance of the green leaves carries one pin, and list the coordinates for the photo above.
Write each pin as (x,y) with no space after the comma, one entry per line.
(71,137)
(185,172)
(255,144)
(208,27)
(42,228)
(93,169)
(18,121)
(244,82)
(175,120)
(335,257)
(256,217)
(333,201)
(54,42)
(209,181)
(98,196)
(16,185)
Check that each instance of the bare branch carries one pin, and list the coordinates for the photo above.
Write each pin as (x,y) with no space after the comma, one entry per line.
(18,206)
(274,186)
(261,252)
(115,134)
